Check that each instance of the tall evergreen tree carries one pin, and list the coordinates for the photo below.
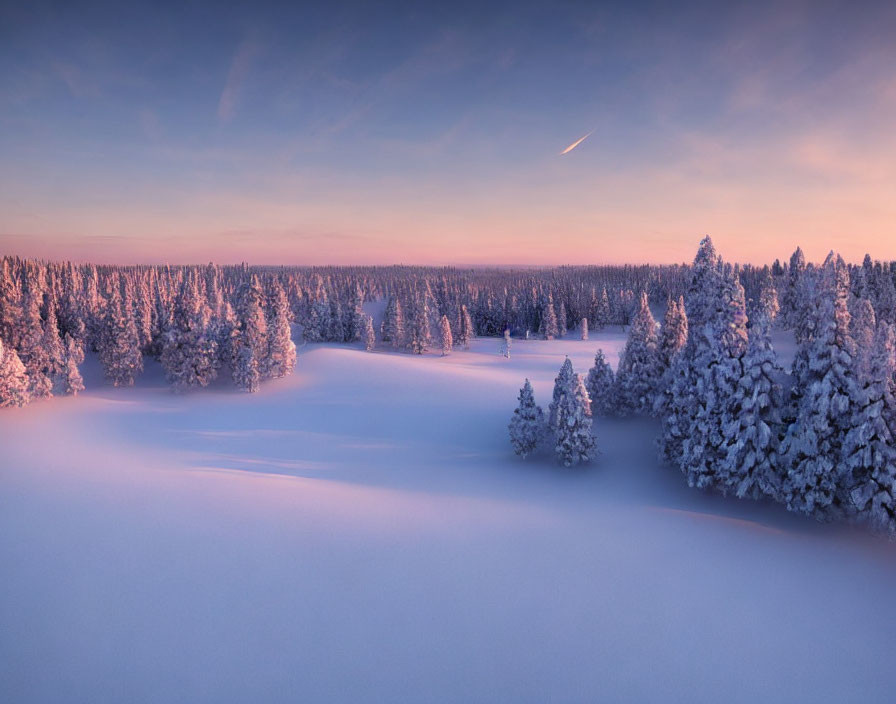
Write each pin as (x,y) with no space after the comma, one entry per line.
(119,351)
(190,349)
(445,340)
(601,387)
(369,335)
(13,379)
(573,442)
(72,382)
(280,359)
(527,424)
(465,331)
(637,378)
(251,338)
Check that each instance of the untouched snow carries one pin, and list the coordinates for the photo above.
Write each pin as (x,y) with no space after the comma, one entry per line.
(361,531)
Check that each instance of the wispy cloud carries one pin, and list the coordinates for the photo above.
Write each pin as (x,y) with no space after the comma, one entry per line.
(576,143)
(239,70)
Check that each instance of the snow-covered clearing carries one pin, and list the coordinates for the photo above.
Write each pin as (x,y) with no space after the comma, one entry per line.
(361,531)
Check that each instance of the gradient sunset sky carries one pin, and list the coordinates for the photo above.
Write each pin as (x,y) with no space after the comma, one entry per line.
(432,132)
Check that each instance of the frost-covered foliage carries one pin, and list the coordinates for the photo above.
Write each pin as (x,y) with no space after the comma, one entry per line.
(190,349)
(750,465)
(767,307)
(119,352)
(506,345)
(600,387)
(369,335)
(280,359)
(673,338)
(549,328)
(392,328)
(446,342)
(870,445)
(72,382)
(13,379)
(637,377)
(792,303)
(826,393)
(465,328)
(719,348)
(573,441)
(862,328)
(250,340)
(527,424)
(583,328)
(561,383)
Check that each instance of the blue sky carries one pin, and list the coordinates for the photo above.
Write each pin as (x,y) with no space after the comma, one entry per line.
(379,133)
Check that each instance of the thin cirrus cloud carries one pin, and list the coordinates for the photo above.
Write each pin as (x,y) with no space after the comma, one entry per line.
(236,77)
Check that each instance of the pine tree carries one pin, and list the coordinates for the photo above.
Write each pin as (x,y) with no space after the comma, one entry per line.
(637,378)
(673,338)
(190,349)
(31,349)
(119,352)
(549,328)
(584,328)
(768,306)
(793,301)
(280,359)
(706,275)
(355,316)
(527,424)
(561,383)
(825,391)
(13,379)
(251,338)
(419,335)
(72,382)
(561,320)
(870,446)
(601,387)
(465,331)
(718,371)
(505,346)
(369,335)
(600,311)
(574,443)
(51,346)
(445,336)
(862,328)
(750,467)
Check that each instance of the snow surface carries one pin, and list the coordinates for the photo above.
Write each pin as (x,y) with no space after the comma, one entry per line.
(361,531)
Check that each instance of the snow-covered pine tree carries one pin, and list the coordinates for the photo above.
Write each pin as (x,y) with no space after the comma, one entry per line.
(573,441)
(335,324)
(673,335)
(31,343)
(316,325)
(825,392)
(418,334)
(369,335)
(13,379)
(600,312)
(465,328)
(706,276)
(387,327)
(72,383)
(583,326)
(869,450)
(600,387)
(862,328)
(505,346)
(527,424)
(767,306)
(561,383)
(549,328)
(637,377)
(10,306)
(189,349)
(561,320)
(281,353)
(119,352)
(355,315)
(792,303)
(51,344)
(717,372)
(750,468)
(251,337)
(445,340)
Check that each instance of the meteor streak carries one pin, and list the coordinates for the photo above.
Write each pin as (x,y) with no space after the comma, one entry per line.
(576,143)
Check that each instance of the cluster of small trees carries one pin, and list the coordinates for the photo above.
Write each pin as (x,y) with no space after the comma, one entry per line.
(199,322)
(821,440)
(568,425)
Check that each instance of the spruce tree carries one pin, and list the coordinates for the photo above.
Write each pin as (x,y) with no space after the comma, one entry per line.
(637,378)
(750,467)
(583,326)
(465,328)
(119,352)
(13,379)
(601,387)
(825,390)
(369,335)
(549,328)
(251,338)
(862,328)
(445,340)
(280,359)
(189,349)
(505,347)
(72,382)
(563,380)
(573,441)
(527,424)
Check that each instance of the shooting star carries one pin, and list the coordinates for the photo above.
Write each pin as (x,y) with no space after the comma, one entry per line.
(576,143)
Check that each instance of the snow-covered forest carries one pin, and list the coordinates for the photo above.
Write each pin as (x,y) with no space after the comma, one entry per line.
(818,437)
